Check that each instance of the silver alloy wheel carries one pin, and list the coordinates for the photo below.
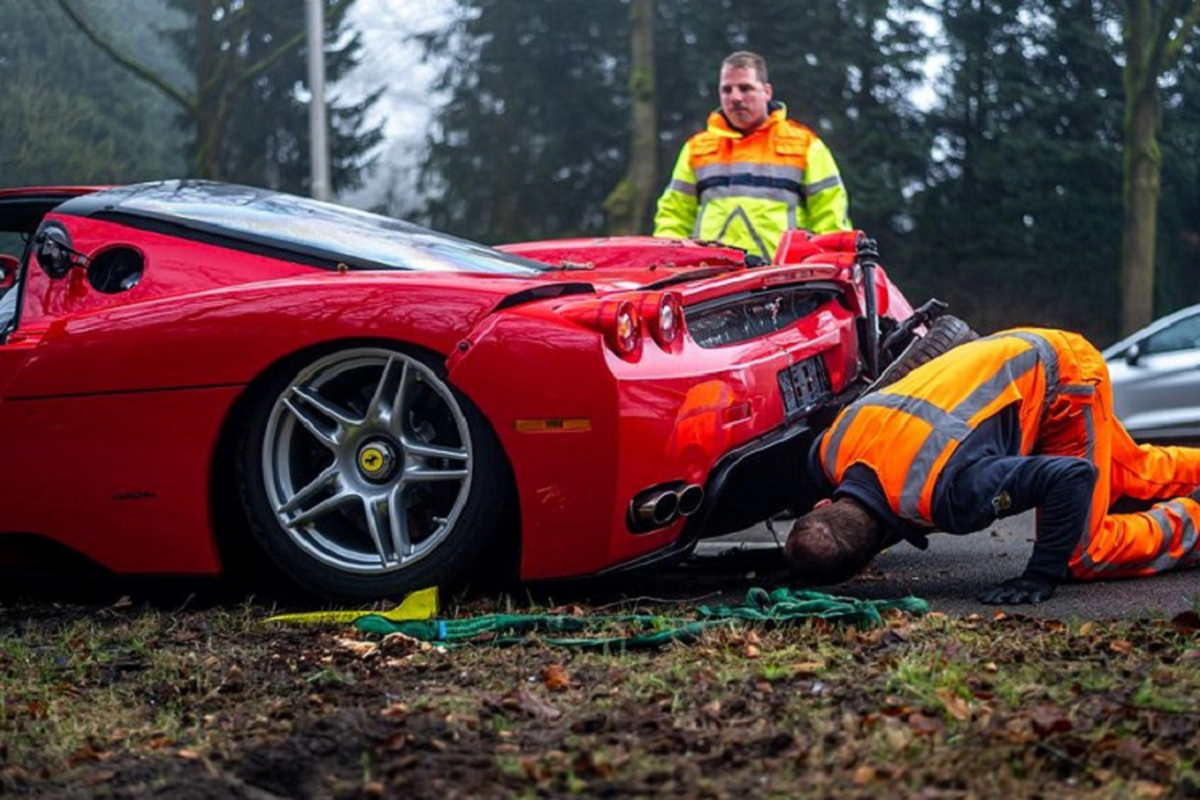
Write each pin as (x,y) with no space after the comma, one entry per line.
(367,460)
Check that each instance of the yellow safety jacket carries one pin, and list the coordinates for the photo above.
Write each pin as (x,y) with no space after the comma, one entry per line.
(747,189)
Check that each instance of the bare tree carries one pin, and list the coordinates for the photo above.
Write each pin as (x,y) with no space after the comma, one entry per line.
(220,72)
(628,205)
(1155,34)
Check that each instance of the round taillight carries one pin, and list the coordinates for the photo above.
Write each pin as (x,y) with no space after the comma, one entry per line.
(627,328)
(670,319)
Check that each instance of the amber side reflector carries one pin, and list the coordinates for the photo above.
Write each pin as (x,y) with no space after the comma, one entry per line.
(553,425)
(736,413)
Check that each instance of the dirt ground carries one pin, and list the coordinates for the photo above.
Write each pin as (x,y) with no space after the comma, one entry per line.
(136,697)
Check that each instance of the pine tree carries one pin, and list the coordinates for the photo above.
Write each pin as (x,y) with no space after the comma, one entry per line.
(70,114)
(1021,219)
(240,101)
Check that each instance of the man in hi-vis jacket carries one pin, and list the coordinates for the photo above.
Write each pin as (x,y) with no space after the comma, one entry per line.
(753,173)
(1018,420)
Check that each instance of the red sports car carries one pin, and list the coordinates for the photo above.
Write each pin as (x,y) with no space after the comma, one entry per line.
(190,366)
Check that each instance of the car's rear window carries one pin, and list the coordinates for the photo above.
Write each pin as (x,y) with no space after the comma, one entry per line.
(360,238)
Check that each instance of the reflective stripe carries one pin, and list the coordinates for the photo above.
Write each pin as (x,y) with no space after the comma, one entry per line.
(709,193)
(683,187)
(834,439)
(1162,559)
(1049,359)
(751,169)
(1187,536)
(946,426)
(820,186)
(765,188)
(1089,421)
(740,213)
(938,440)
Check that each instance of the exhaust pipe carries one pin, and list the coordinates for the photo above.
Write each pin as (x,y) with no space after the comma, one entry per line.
(657,508)
(690,498)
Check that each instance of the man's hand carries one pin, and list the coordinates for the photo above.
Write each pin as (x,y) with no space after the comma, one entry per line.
(1015,591)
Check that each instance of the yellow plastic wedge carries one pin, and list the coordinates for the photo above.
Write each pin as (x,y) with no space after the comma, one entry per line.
(421,604)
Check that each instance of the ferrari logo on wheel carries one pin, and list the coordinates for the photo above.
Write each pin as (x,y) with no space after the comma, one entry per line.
(372,460)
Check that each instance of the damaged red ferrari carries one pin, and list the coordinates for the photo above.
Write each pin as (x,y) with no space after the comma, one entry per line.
(377,407)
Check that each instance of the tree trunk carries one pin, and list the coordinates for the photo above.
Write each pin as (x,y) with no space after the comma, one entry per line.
(1155,34)
(629,204)
(1142,168)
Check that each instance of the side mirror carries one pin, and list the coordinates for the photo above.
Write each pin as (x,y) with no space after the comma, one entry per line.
(54,252)
(8,270)
(1132,354)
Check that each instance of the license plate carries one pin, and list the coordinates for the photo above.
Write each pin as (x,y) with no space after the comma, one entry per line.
(804,385)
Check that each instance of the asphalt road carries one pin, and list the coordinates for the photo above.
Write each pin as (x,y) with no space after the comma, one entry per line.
(955,568)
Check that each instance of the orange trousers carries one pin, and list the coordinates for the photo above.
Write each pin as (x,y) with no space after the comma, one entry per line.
(1081,423)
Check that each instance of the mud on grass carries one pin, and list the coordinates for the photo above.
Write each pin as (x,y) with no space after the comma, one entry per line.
(129,700)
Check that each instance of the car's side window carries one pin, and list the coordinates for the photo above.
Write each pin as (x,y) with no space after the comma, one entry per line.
(13,248)
(1183,335)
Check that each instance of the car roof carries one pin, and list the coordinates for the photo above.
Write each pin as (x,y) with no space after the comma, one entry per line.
(1116,349)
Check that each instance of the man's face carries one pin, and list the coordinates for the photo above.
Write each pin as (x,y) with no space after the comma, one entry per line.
(744,97)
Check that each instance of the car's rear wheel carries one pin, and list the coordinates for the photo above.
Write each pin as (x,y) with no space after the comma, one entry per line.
(943,334)
(365,475)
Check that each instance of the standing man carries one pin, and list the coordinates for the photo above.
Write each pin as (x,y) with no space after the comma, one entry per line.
(1018,420)
(754,173)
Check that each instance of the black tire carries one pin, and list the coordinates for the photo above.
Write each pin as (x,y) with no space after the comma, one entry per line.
(364,475)
(944,334)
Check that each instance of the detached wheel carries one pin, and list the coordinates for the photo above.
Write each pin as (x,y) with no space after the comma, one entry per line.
(364,475)
(944,334)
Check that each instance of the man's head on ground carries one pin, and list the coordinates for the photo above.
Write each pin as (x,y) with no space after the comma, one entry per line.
(744,90)
(832,543)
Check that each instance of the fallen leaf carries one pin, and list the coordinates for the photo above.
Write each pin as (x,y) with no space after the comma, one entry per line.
(1120,646)
(955,705)
(923,725)
(863,775)
(1047,720)
(100,776)
(395,711)
(359,648)
(753,651)
(808,668)
(1187,622)
(188,755)
(589,764)
(1148,789)
(535,706)
(1086,629)
(555,678)
(124,602)
(400,644)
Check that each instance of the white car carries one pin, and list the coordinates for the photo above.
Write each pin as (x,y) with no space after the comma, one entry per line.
(1156,379)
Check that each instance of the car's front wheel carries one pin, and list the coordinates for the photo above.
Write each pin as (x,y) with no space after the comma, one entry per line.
(365,475)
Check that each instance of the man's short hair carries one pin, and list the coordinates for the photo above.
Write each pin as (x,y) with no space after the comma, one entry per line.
(832,543)
(744,59)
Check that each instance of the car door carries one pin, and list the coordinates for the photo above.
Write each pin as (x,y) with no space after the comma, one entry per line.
(1156,382)
(20,212)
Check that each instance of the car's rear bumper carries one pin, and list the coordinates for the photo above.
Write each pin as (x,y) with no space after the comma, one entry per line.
(750,484)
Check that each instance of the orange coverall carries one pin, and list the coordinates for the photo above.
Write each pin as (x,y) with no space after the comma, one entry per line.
(912,434)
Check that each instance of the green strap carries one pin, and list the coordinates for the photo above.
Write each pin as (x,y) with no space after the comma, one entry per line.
(781,607)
